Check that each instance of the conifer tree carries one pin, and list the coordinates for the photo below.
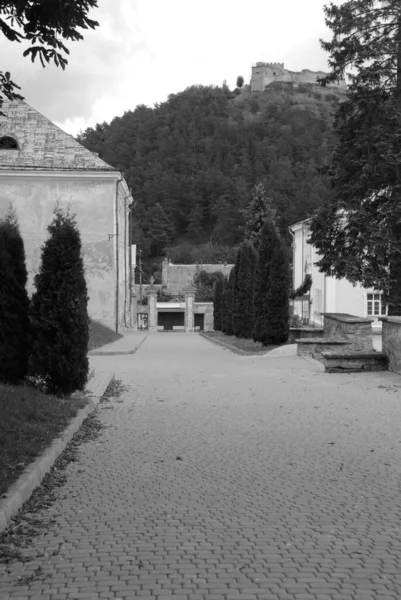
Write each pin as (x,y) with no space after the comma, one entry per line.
(60,323)
(235,310)
(256,213)
(227,305)
(243,309)
(269,240)
(14,302)
(217,303)
(276,329)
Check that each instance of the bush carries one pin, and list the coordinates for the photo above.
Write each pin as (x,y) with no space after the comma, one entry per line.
(60,324)
(14,302)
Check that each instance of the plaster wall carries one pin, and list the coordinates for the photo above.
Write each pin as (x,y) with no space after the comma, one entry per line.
(93,201)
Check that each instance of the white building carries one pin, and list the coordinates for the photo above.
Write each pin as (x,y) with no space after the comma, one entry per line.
(328,294)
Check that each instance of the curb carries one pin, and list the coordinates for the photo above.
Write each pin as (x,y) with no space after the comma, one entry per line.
(32,476)
(314,362)
(118,352)
(233,348)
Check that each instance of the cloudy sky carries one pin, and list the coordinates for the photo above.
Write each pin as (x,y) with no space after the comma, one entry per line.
(145,50)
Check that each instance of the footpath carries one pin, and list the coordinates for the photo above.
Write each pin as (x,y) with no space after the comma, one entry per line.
(222,477)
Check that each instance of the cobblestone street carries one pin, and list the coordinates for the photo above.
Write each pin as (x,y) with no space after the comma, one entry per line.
(222,477)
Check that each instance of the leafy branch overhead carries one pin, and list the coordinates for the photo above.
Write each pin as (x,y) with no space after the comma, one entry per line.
(357,231)
(46,25)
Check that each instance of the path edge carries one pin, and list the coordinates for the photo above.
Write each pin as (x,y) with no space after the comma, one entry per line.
(33,474)
(96,352)
(233,349)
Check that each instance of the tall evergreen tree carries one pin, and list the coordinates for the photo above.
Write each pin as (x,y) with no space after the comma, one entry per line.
(255,215)
(14,302)
(243,310)
(236,313)
(60,323)
(227,304)
(358,233)
(269,241)
(217,303)
(277,329)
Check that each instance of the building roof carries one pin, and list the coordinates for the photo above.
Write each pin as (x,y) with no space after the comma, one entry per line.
(41,144)
(300,223)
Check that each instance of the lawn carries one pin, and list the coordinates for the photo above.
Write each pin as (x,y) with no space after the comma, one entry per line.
(243,346)
(30,420)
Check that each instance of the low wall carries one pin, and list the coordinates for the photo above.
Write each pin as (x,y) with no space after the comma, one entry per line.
(391,340)
(317,346)
(356,330)
(304,333)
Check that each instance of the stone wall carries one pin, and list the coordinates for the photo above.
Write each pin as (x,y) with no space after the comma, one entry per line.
(356,330)
(205,308)
(391,336)
(176,277)
(263,74)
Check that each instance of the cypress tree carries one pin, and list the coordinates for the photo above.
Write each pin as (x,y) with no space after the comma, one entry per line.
(277,313)
(236,310)
(217,303)
(269,240)
(243,315)
(14,302)
(60,323)
(227,304)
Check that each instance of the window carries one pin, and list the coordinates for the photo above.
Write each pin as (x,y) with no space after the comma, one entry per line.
(8,143)
(375,308)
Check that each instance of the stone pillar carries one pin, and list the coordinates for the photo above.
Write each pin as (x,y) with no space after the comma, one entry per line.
(151,292)
(189,309)
(391,335)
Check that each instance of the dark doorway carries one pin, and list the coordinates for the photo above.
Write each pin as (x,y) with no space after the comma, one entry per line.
(200,322)
(169,320)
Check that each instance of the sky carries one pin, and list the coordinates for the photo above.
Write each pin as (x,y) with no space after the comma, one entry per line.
(144,50)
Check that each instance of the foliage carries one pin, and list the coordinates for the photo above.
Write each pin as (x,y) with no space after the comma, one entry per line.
(243,318)
(217,303)
(14,302)
(277,299)
(227,304)
(256,213)
(236,316)
(201,153)
(208,254)
(269,240)
(358,230)
(240,81)
(204,282)
(60,323)
(304,288)
(46,25)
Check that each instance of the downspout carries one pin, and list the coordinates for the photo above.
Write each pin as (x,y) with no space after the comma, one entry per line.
(117,307)
(293,257)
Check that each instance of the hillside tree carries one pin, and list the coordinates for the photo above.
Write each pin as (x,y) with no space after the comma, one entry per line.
(259,209)
(46,26)
(358,231)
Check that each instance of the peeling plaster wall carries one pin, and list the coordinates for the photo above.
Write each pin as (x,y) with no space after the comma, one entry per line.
(93,200)
(177,277)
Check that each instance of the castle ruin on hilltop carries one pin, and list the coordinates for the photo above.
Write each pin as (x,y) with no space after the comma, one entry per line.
(263,74)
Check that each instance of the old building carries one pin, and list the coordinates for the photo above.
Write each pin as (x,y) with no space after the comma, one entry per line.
(176,277)
(328,294)
(41,165)
(263,74)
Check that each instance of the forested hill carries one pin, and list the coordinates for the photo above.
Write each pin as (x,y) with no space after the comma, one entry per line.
(193,161)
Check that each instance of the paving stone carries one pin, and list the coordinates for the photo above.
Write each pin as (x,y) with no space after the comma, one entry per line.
(277,496)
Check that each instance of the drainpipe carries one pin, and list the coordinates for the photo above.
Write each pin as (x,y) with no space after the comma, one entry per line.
(117,308)
(293,257)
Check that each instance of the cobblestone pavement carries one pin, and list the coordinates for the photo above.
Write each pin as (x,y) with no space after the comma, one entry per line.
(221,477)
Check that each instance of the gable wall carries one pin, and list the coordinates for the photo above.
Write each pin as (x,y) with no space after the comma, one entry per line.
(93,200)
